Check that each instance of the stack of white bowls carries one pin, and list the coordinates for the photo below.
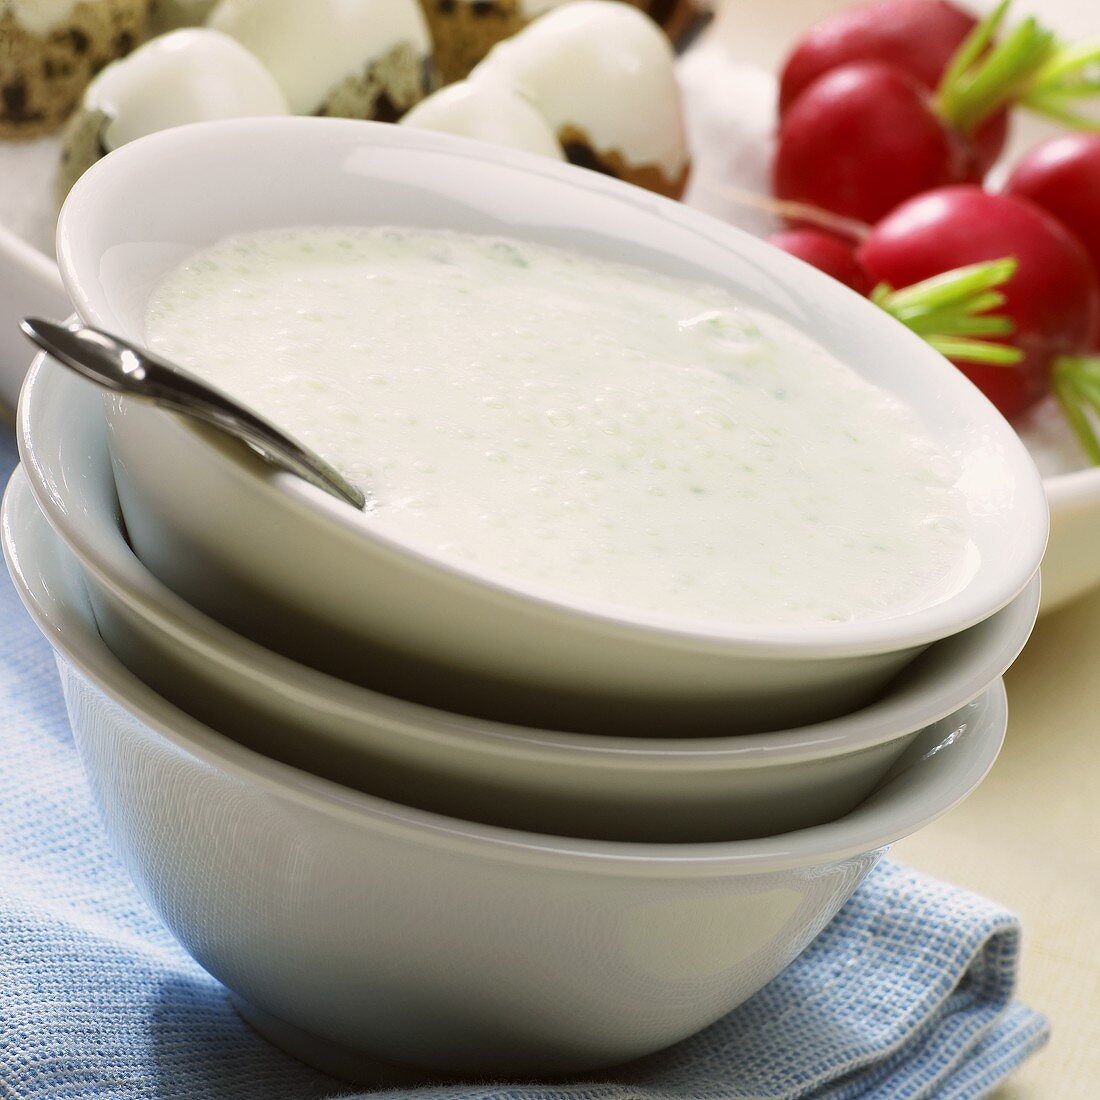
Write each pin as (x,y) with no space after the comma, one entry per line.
(417,816)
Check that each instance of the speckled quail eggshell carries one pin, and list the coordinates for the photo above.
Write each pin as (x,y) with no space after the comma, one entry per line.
(312,49)
(192,75)
(602,70)
(170,15)
(50,49)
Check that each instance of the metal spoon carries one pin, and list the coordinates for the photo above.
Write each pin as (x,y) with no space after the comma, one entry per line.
(120,366)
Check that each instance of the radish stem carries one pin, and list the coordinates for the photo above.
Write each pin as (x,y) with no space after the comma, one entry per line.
(974,45)
(984,76)
(788,209)
(950,311)
(962,325)
(1076,384)
(1071,75)
(952,287)
(975,351)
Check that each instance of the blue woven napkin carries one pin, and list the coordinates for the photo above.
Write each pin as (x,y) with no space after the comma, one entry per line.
(906,995)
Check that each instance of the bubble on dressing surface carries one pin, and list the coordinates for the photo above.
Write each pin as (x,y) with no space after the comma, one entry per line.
(592,429)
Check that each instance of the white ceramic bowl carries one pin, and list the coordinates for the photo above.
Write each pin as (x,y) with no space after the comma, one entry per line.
(351,926)
(283,562)
(720,788)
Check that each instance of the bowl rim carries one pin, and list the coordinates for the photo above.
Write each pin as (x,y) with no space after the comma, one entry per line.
(866,829)
(122,573)
(986,591)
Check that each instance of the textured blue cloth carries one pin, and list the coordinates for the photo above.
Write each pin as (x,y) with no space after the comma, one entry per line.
(906,995)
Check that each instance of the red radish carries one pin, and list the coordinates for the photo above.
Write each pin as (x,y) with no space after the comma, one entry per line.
(860,140)
(827,252)
(866,135)
(988,142)
(1053,299)
(919,37)
(1063,177)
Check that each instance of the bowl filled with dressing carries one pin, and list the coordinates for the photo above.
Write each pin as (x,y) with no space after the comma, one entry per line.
(658,789)
(351,930)
(627,468)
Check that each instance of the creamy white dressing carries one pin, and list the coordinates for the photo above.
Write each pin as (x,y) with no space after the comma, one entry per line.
(594,431)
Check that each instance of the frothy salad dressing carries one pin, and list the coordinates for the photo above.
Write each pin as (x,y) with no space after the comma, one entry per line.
(592,430)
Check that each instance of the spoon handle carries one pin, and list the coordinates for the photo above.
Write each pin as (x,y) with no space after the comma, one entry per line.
(122,367)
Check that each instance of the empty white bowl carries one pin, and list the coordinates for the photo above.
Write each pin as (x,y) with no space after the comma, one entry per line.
(29,286)
(285,564)
(351,926)
(672,789)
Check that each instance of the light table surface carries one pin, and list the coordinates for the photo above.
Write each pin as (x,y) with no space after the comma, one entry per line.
(1029,837)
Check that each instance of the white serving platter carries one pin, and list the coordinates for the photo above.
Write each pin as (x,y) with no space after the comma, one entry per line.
(29,281)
